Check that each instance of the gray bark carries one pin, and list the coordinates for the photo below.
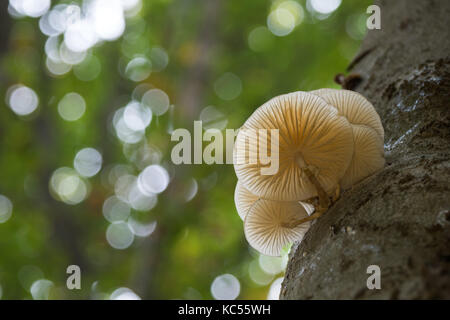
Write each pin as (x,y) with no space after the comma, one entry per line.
(399,218)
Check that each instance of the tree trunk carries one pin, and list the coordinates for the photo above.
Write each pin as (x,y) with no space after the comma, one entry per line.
(399,218)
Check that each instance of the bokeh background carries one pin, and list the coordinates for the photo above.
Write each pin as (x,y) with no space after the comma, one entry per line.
(90,93)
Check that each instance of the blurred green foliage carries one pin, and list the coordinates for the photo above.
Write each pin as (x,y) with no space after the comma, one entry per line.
(194,241)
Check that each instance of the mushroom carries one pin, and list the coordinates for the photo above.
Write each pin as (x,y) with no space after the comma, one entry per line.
(243,199)
(265,225)
(326,139)
(315,148)
(267,222)
(368,133)
(368,156)
(354,106)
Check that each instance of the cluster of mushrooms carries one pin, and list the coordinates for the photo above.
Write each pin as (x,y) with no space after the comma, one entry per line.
(329,140)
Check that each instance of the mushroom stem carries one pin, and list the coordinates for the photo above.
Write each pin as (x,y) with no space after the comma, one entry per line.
(321,208)
(337,193)
(324,200)
(295,223)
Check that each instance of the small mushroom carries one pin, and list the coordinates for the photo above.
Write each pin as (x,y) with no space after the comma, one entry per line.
(354,106)
(243,199)
(368,133)
(315,148)
(368,157)
(266,225)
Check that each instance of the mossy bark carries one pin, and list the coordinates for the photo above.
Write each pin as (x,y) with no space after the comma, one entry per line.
(398,219)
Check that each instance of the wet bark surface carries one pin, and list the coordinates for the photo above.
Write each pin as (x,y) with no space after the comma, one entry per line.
(398,219)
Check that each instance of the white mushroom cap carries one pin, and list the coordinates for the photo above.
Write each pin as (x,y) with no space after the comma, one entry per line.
(311,134)
(354,106)
(368,157)
(368,133)
(243,200)
(264,228)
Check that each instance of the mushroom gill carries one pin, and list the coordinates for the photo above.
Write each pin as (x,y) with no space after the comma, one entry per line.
(265,229)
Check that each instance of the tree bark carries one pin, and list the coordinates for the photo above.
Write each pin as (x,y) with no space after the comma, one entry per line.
(399,218)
